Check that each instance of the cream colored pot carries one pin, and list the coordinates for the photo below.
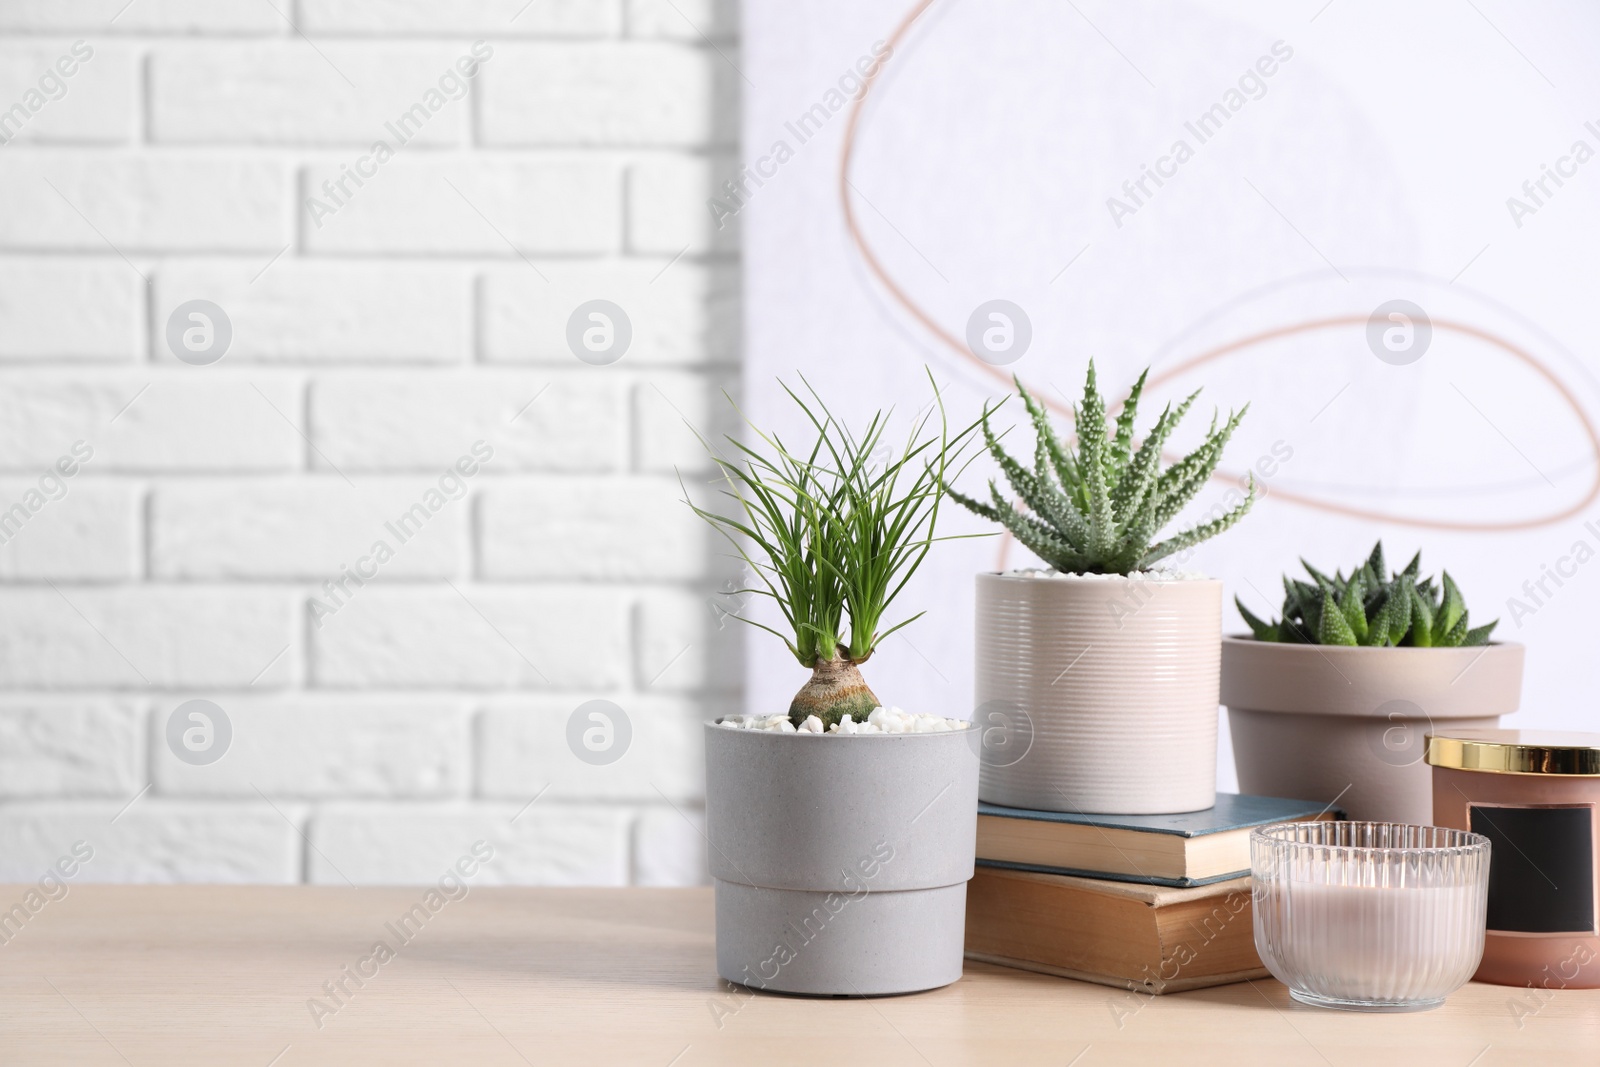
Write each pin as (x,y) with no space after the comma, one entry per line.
(1098,694)
(1347,725)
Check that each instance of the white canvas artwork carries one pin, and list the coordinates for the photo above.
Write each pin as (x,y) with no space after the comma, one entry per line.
(1372,223)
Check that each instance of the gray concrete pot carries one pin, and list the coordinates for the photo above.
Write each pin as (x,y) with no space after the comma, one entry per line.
(840,863)
(1327,723)
(1098,694)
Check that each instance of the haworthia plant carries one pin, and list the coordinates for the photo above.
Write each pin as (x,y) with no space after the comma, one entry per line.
(1098,509)
(1369,608)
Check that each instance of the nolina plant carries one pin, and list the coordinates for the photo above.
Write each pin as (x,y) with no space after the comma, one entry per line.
(833,533)
(1371,608)
(1098,509)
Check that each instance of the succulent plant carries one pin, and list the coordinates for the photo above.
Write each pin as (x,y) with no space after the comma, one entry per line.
(833,533)
(1370,609)
(1098,509)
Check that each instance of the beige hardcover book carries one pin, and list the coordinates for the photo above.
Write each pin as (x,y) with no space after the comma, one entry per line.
(1151,939)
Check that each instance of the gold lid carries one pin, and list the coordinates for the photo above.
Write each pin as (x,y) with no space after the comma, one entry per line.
(1516,752)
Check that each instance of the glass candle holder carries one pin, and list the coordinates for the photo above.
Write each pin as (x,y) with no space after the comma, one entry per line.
(1369,916)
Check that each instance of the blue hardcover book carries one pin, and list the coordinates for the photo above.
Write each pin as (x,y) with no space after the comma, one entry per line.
(1192,849)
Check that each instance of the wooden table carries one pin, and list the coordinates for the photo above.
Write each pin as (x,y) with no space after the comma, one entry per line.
(164,976)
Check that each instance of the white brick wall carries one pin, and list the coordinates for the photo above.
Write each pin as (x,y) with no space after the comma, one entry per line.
(82,308)
(417,306)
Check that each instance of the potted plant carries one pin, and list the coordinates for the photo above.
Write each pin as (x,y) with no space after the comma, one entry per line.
(1096,680)
(841,833)
(1333,701)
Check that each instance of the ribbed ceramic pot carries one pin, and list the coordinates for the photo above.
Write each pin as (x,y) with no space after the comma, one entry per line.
(840,863)
(1098,694)
(1348,725)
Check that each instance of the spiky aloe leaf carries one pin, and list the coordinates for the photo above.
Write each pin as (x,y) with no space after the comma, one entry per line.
(1294,602)
(1134,489)
(1371,581)
(1322,580)
(1054,504)
(1092,445)
(1066,467)
(1334,630)
(1122,441)
(1457,634)
(1375,562)
(1036,493)
(1036,536)
(1041,460)
(1354,607)
(1056,508)
(1403,608)
(1306,596)
(1414,567)
(1311,619)
(977,507)
(1195,534)
(1106,503)
(1020,478)
(1378,626)
(1450,611)
(1400,611)
(1479,635)
(1174,490)
(1421,619)
(1294,633)
(1263,631)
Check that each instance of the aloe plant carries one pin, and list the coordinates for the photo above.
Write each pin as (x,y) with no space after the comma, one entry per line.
(1372,609)
(1098,509)
(833,533)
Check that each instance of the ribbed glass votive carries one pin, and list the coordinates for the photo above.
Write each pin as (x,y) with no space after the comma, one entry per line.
(1369,916)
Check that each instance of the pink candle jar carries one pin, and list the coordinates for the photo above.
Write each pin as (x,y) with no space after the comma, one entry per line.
(1369,916)
(1533,794)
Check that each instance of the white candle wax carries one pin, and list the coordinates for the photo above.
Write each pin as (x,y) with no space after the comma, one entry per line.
(1368,942)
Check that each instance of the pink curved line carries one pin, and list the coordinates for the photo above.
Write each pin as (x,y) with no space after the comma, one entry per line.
(960,349)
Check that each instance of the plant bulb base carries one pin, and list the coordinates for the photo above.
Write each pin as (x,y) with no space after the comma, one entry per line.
(834,690)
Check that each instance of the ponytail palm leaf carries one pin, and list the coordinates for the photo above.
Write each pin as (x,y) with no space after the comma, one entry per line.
(832,534)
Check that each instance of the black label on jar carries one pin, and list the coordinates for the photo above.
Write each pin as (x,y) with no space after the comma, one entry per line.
(1541,868)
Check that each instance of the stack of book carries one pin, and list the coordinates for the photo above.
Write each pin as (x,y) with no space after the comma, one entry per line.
(1153,903)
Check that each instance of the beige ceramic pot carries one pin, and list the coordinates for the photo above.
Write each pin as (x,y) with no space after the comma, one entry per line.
(1098,694)
(1330,724)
